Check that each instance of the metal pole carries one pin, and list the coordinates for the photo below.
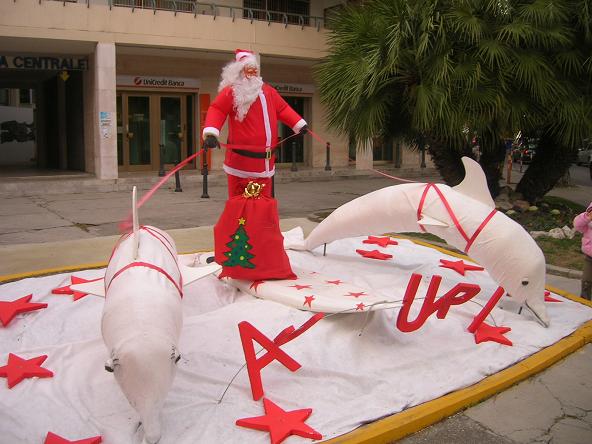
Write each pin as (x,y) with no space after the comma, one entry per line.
(422,148)
(328,164)
(204,173)
(294,167)
(273,186)
(398,155)
(178,188)
(161,170)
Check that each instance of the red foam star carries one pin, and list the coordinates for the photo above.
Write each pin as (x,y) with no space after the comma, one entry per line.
(18,369)
(336,282)
(360,306)
(382,241)
(549,298)
(308,300)
(256,284)
(9,309)
(459,266)
(281,423)
(300,287)
(374,254)
(73,281)
(52,438)
(486,332)
(356,295)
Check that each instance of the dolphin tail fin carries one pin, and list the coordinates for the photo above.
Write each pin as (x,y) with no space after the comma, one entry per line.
(135,222)
(474,185)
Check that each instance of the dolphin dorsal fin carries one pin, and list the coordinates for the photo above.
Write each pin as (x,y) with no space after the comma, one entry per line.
(135,222)
(474,185)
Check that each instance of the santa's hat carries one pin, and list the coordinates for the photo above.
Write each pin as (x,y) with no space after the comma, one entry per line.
(245,56)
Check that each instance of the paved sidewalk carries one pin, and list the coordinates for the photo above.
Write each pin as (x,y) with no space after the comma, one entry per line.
(56,230)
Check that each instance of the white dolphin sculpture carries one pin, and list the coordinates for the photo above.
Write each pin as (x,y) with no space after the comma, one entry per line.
(142,317)
(463,215)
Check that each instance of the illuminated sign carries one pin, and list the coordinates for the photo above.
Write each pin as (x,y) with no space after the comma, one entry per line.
(43,62)
(158,82)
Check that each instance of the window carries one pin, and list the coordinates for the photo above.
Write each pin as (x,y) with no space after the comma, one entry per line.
(294,11)
(4,96)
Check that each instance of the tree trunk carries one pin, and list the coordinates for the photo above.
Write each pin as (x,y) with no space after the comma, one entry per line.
(549,164)
(447,161)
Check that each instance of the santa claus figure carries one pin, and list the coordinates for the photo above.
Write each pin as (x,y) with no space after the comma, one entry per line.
(253,109)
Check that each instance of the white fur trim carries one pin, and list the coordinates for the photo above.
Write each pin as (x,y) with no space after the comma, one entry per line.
(299,125)
(245,174)
(265,119)
(241,54)
(211,131)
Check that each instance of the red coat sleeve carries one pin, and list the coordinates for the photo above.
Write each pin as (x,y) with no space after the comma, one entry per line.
(285,113)
(218,111)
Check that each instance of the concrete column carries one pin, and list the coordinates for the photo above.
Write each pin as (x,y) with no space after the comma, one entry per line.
(364,156)
(100,94)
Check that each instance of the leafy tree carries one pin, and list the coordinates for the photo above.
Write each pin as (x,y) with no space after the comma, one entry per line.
(425,70)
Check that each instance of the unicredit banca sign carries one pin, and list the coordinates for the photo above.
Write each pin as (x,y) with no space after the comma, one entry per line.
(180,83)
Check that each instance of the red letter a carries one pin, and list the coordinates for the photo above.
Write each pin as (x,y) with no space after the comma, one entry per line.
(248,334)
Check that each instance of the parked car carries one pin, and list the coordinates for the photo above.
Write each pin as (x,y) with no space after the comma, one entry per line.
(584,155)
(527,154)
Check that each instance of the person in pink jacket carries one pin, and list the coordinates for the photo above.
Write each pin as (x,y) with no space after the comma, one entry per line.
(583,223)
(253,109)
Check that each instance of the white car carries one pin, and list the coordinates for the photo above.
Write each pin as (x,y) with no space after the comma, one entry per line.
(584,155)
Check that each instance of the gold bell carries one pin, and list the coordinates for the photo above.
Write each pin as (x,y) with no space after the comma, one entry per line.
(253,189)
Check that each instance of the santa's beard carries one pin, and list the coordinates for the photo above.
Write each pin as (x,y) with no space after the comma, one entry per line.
(245,92)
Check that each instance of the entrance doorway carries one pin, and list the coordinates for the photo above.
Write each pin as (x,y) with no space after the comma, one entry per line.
(295,144)
(154,130)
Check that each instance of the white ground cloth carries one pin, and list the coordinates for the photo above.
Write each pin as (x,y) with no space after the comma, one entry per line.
(346,378)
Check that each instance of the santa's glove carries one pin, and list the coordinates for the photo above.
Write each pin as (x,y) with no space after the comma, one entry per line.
(211,142)
(303,130)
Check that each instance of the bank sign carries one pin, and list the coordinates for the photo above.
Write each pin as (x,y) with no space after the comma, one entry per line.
(180,83)
(294,88)
(47,63)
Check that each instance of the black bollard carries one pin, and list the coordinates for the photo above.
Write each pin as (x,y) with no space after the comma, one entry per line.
(294,167)
(161,170)
(273,186)
(178,188)
(328,164)
(204,173)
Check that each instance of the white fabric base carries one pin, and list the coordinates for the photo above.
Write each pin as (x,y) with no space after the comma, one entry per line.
(347,378)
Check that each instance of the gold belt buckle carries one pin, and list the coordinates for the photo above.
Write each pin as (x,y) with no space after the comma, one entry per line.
(268,153)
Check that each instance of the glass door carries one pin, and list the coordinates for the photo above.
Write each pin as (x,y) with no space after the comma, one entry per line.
(134,138)
(172,129)
(284,154)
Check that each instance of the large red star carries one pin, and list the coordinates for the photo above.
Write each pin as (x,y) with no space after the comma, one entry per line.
(300,287)
(382,241)
(280,423)
(486,332)
(256,284)
(73,281)
(18,369)
(336,282)
(459,266)
(52,438)
(356,295)
(308,300)
(549,298)
(9,309)
(374,254)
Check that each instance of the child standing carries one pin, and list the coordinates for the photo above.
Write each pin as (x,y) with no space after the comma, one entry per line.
(583,223)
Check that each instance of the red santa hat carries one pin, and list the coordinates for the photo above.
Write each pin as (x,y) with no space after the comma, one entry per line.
(245,56)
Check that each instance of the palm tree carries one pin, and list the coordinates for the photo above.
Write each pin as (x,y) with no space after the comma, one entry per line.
(423,70)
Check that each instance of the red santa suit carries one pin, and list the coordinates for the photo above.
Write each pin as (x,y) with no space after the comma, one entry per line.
(257,132)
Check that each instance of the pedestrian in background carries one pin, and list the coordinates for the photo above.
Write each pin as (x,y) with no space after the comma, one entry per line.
(583,224)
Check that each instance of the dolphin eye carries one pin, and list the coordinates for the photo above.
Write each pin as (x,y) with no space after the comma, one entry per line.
(525,282)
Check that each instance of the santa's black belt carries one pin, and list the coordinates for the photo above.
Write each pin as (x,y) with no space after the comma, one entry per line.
(254,154)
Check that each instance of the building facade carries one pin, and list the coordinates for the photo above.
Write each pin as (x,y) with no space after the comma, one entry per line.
(112,86)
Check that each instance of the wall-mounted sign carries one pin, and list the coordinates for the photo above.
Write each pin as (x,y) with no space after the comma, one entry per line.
(295,88)
(43,62)
(158,82)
